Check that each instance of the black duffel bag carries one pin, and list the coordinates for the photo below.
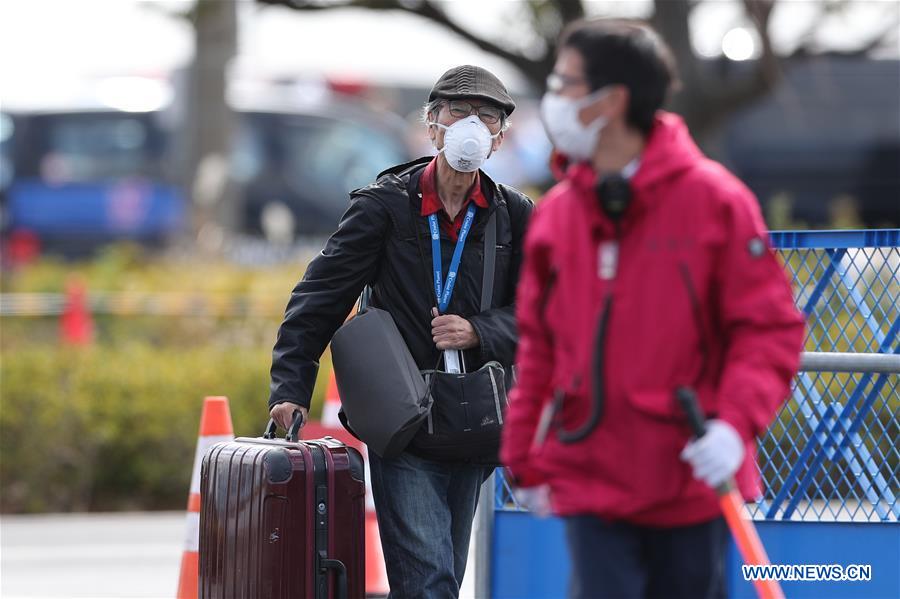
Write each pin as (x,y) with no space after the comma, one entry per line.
(466,415)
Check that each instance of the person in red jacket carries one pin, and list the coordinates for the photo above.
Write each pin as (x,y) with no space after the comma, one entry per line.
(647,268)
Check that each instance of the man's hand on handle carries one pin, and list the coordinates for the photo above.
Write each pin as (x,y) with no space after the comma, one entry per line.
(283,414)
(717,455)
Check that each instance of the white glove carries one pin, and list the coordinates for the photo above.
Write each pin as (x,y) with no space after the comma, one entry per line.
(535,499)
(717,455)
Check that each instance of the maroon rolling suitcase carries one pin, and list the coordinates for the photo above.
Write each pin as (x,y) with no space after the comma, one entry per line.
(282,519)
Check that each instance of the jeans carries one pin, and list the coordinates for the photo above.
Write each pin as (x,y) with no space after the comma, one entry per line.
(617,560)
(425,511)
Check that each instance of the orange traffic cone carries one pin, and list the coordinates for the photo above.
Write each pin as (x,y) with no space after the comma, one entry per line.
(376,576)
(332,404)
(215,427)
(76,326)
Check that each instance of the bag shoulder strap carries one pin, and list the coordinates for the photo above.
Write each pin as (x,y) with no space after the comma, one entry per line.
(364,298)
(490,255)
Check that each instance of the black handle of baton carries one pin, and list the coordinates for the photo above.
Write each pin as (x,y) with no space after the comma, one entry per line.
(688,401)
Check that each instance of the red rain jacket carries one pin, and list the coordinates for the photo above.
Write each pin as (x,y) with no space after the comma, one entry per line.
(695,277)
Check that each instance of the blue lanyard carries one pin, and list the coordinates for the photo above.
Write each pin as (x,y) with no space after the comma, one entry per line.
(443,294)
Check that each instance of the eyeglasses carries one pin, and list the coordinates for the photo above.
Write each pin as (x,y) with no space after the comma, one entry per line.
(489,115)
(557,81)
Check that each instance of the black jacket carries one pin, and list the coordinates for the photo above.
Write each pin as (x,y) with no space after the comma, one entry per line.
(383,241)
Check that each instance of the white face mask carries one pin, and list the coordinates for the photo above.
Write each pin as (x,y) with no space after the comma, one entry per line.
(568,135)
(467,143)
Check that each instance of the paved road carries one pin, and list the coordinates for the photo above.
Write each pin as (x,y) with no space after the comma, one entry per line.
(123,555)
(91,555)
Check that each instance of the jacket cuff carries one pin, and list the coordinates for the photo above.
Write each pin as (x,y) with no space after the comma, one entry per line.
(482,350)
(274,402)
(528,478)
(523,476)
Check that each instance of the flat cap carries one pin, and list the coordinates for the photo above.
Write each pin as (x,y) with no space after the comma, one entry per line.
(468,81)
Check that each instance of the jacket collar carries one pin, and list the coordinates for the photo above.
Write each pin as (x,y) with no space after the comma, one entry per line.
(399,177)
(431,202)
(669,152)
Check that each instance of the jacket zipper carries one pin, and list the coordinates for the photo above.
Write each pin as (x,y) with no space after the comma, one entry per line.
(599,358)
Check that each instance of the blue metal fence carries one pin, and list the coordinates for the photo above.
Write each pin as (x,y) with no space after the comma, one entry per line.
(832,454)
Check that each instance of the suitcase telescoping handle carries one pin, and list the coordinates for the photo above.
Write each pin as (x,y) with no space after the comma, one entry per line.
(293,433)
(340,571)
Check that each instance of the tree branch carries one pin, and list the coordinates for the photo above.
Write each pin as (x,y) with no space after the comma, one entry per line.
(569,10)
(879,38)
(767,71)
(671,20)
(427,10)
(806,46)
(708,95)
(431,12)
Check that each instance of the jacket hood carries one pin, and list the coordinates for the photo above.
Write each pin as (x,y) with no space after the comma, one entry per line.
(669,152)
(401,169)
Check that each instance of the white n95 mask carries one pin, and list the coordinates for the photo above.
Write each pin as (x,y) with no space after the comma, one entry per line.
(568,135)
(467,143)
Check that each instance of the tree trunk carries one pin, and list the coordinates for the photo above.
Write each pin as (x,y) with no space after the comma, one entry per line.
(209,121)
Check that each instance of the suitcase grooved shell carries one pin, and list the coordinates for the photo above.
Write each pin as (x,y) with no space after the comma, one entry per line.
(257,527)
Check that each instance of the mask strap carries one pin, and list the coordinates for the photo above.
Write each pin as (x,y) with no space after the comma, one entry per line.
(436,124)
(593,97)
(588,100)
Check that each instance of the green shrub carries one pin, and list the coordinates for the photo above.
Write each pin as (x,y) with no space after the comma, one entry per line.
(107,428)
(131,269)
(114,426)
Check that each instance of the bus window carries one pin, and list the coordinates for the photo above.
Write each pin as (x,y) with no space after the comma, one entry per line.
(91,147)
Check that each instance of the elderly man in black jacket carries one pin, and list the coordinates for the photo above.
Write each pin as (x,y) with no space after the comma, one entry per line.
(425,507)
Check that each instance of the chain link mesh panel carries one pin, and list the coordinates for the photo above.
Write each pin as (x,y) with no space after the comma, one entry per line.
(831,454)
